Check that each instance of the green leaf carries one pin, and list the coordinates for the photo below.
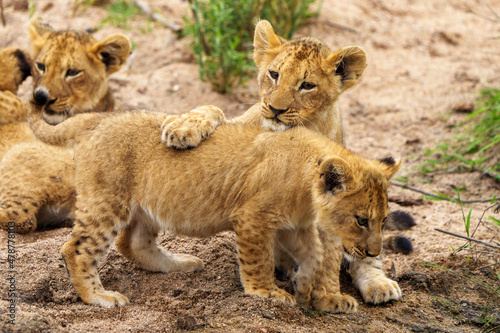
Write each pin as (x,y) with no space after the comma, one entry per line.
(494,220)
(467,223)
(402,179)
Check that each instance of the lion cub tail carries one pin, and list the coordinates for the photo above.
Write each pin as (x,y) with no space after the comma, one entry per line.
(59,135)
(398,220)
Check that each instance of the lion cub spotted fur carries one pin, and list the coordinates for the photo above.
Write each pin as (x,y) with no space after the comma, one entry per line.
(267,187)
(300,82)
(36,186)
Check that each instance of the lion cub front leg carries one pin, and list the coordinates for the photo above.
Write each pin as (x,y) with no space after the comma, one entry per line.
(188,130)
(371,281)
(255,253)
(304,246)
(326,294)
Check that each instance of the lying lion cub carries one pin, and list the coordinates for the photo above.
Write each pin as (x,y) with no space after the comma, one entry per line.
(267,187)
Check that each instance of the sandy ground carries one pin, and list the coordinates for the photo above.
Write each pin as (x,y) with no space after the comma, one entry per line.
(425,58)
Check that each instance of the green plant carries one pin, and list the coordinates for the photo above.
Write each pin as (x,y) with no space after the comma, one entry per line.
(31,8)
(119,12)
(287,16)
(222,33)
(82,5)
(477,146)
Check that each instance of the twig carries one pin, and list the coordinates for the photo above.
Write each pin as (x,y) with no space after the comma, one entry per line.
(1,13)
(484,16)
(494,13)
(156,17)
(131,59)
(468,238)
(339,26)
(439,197)
(484,252)
(484,212)
(493,329)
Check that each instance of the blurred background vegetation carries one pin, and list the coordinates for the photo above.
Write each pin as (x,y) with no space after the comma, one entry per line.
(476,144)
(221,30)
(222,34)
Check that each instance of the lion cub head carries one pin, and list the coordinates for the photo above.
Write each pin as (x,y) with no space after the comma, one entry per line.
(74,67)
(352,204)
(301,78)
(15,66)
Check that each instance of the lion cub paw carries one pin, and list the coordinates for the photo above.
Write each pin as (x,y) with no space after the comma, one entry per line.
(27,225)
(188,130)
(277,294)
(336,303)
(380,290)
(107,299)
(188,263)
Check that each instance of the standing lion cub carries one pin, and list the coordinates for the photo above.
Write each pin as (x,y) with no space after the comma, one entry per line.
(268,187)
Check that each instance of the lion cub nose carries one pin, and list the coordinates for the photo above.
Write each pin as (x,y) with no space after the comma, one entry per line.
(372,254)
(277,112)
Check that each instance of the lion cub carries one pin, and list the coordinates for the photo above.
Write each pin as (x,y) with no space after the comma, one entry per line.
(268,187)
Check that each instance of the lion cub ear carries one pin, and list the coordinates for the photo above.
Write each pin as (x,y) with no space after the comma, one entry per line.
(39,32)
(335,174)
(348,63)
(265,39)
(389,166)
(113,51)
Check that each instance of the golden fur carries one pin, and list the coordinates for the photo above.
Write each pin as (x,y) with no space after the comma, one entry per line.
(267,187)
(74,67)
(15,66)
(36,186)
(300,82)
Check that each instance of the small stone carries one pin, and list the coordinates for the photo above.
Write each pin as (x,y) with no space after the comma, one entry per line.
(187,323)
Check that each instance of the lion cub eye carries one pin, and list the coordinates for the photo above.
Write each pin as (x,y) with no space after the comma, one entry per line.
(384,220)
(307,86)
(361,221)
(274,75)
(72,72)
(40,66)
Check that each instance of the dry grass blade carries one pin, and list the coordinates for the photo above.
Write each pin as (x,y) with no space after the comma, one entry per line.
(406,187)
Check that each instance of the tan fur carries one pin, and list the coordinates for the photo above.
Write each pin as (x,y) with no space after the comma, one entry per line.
(267,187)
(73,66)
(14,68)
(295,62)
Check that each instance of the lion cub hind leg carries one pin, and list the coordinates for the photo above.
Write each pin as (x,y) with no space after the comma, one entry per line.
(90,241)
(138,243)
(371,281)
(188,130)
(255,253)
